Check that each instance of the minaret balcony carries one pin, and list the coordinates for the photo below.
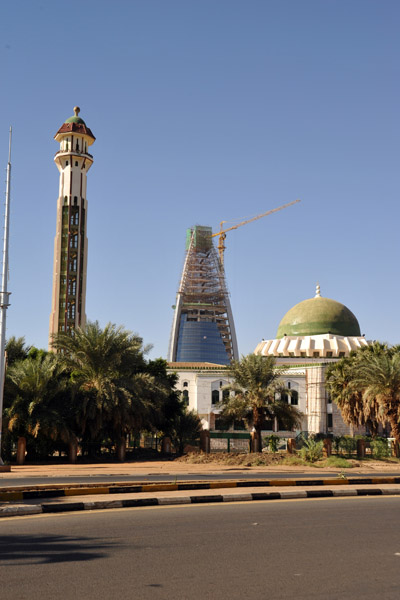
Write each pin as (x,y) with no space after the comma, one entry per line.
(73,153)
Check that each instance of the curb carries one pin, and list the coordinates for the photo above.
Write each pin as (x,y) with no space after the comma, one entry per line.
(60,490)
(13,511)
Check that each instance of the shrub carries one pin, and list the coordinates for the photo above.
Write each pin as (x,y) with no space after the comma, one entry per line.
(380,448)
(312,449)
(272,442)
(348,444)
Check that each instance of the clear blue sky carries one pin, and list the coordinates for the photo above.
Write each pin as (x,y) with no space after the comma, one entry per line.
(208,110)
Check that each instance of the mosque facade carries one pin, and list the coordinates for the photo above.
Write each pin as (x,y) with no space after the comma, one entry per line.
(311,336)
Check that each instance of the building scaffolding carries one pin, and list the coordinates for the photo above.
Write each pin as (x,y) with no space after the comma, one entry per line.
(203,329)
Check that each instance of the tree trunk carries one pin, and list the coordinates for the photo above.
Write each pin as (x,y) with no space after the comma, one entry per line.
(394,425)
(21,450)
(258,419)
(121,449)
(72,451)
(256,443)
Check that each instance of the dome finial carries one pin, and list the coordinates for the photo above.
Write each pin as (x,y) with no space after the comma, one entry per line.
(318,291)
(77,110)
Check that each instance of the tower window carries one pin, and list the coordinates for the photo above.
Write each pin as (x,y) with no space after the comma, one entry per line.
(76,163)
(185,397)
(215,397)
(66,163)
(71,310)
(72,287)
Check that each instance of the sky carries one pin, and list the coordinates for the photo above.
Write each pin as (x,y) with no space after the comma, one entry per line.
(203,111)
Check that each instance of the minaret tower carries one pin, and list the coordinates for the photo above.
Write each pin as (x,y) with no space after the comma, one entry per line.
(70,245)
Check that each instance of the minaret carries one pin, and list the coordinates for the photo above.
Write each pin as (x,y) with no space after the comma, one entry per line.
(70,245)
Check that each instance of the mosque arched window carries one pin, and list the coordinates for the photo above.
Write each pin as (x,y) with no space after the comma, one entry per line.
(185,397)
(215,397)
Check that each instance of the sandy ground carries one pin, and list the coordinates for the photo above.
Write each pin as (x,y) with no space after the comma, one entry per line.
(172,468)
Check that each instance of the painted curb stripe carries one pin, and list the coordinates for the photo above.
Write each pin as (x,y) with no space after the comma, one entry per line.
(164,487)
(66,507)
(265,496)
(161,487)
(29,495)
(85,491)
(128,489)
(319,494)
(237,498)
(193,486)
(372,492)
(205,499)
(228,484)
(12,511)
(140,502)
(12,496)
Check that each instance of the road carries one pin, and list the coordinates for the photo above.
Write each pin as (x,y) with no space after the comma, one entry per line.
(331,549)
(234,474)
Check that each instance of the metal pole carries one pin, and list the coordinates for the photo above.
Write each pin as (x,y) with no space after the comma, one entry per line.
(4,294)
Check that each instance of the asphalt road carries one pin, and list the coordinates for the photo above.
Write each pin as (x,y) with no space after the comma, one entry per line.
(331,549)
(234,474)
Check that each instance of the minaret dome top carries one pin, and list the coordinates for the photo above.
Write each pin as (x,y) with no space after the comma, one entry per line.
(76,118)
(75,125)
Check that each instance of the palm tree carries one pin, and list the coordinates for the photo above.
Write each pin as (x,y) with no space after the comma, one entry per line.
(108,367)
(346,381)
(39,403)
(16,349)
(256,395)
(378,376)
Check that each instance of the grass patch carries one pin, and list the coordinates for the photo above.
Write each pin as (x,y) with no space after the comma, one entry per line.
(294,461)
(338,462)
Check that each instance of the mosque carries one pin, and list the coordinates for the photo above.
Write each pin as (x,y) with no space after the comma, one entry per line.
(311,336)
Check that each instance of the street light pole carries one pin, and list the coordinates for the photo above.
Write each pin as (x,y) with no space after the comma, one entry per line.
(4,294)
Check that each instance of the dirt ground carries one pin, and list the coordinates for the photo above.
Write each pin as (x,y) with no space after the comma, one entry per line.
(183,466)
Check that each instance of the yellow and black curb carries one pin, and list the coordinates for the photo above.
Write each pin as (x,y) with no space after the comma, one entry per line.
(10,495)
(62,490)
(12,511)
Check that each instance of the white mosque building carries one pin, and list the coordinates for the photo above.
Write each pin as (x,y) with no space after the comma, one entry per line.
(312,335)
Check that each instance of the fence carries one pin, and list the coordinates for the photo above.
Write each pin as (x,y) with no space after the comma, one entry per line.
(229,442)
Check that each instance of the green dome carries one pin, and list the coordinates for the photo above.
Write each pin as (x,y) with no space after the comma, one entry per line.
(317,316)
(75,120)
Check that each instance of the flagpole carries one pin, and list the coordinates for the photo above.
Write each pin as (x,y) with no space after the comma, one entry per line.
(4,294)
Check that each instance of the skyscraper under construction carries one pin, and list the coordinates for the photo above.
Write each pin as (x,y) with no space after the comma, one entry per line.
(70,245)
(203,328)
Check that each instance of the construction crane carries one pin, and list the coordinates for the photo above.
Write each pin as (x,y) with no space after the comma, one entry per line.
(222,233)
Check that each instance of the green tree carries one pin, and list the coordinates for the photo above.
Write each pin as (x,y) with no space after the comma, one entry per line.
(366,387)
(256,395)
(16,350)
(184,428)
(378,376)
(117,395)
(39,403)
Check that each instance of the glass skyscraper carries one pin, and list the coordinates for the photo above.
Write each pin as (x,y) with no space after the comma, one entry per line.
(203,328)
